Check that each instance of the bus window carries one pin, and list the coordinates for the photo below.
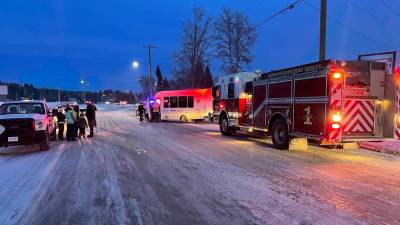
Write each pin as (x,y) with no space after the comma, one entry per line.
(166,102)
(183,102)
(190,102)
(174,102)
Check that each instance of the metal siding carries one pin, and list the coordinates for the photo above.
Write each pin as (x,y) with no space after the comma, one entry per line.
(260,94)
(316,118)
(311,87)
(280,90)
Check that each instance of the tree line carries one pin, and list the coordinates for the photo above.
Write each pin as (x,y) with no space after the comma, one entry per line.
(226,39)
(17,91)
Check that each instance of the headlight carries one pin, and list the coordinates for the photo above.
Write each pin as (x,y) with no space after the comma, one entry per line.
(39,125)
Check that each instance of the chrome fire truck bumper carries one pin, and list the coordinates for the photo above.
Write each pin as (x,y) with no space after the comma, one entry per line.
(356,139)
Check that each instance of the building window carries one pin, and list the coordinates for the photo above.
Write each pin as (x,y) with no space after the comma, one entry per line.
(183,102)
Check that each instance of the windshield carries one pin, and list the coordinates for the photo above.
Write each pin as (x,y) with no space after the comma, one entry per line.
(22,108)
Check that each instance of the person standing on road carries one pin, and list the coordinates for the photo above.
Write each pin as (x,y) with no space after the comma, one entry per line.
(83,124)
(77,113)
(71,120)
(141,111)
(91,117)
(60,123)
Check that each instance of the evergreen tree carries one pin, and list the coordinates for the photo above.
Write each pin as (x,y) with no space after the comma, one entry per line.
(159,80)
(207,80)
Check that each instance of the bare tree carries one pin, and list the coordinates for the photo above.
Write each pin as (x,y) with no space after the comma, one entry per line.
(234,37)
(195,40)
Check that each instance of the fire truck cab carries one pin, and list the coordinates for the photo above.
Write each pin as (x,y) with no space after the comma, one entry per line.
(231,99)
(330,101)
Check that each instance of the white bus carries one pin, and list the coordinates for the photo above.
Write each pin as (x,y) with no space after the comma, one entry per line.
(185,105)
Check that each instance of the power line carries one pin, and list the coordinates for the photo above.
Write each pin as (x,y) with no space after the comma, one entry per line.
(390,8)
(347,26)
(287,8)
(366,11)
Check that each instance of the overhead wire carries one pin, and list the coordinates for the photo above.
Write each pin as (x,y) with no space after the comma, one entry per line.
(390,8)
(366,11)
(287,8)
(351,29)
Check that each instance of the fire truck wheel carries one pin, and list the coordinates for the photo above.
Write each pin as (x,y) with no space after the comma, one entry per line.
(224,126)
(280,134)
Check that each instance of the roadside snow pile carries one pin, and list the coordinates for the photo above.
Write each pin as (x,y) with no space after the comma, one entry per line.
(389,147)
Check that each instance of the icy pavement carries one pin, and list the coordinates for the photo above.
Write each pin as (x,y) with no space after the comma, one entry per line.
(168,173)
(390,147)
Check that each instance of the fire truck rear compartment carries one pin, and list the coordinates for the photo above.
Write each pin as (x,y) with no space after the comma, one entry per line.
(363,115)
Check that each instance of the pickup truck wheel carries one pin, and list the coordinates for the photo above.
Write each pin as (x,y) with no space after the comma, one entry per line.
(224,126)
(45,144)
(280,134)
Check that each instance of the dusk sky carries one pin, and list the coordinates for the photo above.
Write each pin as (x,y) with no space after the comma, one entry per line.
(50,42)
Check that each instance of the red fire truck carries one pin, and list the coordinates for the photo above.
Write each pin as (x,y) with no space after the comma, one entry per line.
(330,101)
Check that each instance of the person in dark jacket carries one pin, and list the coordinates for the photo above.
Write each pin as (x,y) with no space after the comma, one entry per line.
(91,117)
(83,124)
(77,113)
(141,111)
(60,124)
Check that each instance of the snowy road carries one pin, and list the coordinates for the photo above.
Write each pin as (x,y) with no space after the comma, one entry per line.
(168,173)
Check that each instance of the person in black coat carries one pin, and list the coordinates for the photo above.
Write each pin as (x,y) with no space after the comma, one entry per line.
(91,117)
(60,123)
(141,111)
(77,113)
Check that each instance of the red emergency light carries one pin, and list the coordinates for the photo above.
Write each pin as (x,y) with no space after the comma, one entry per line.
(337,75)
(335,126)
(158,101)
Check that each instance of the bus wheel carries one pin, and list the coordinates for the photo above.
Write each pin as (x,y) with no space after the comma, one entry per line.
(280,134)
(184,119)
(224,126)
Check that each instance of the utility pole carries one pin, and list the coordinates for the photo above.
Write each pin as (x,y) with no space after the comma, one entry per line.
(149,47)
(59,94)
(322,31)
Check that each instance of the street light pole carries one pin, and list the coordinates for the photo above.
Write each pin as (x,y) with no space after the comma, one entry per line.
(59,94)
(83,85)
(149,47)
(322,35)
